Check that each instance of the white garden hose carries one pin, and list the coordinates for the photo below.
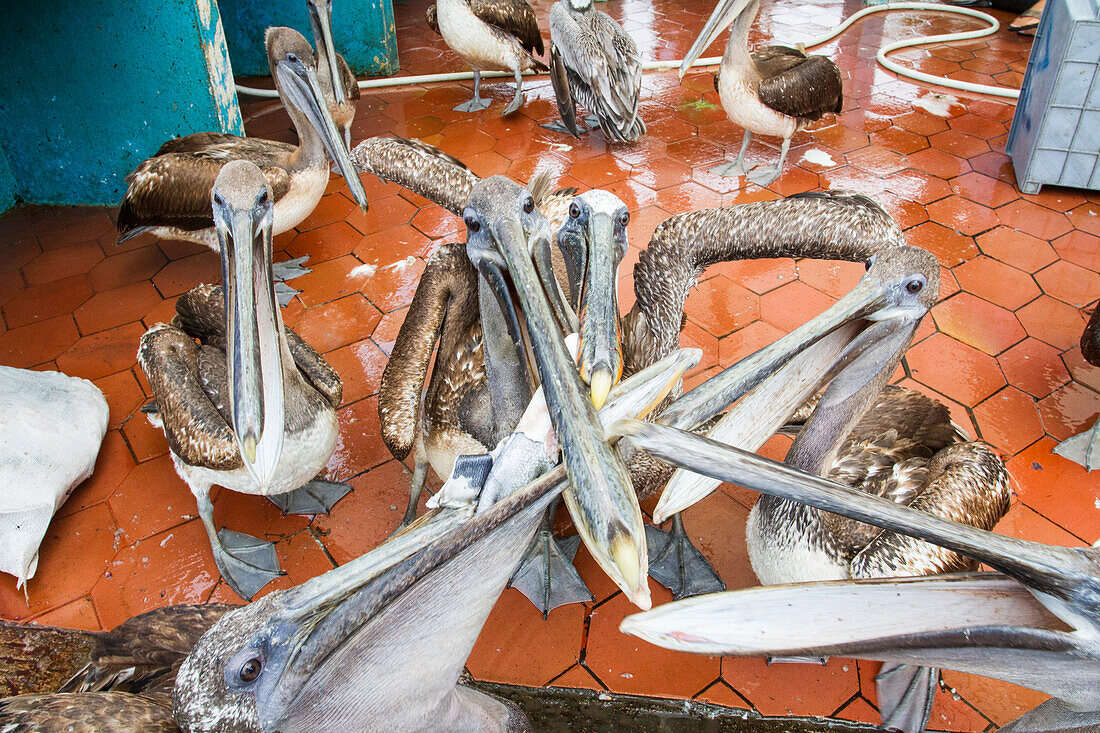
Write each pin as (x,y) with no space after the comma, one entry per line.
(881,56)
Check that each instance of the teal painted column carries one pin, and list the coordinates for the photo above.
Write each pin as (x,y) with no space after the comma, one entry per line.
(7,184)
(92,87)
(362,30)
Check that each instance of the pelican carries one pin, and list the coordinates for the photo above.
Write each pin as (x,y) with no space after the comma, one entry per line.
(343,651)
(595,62)
(339,85)
(776,91)
(1084,448)
(169,194)
(490,35)
(1034,623)
(251,407)
(890,442)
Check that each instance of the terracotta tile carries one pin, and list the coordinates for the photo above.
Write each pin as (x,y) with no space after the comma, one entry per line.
(1057,488)
(324,243)
(330,280)
(715,526)
(960,372)
(338,323)
(331,208)
(759,276)
(627,664)
(984,190)
(134,581)
(1015,248)
(127,267)
(877,161)
(102,353)
(1086,217)
(860,711)
(978,323)
(918,186)
(1052,321)
(1079,248)
(57,264)
(1009,420)
(360,368)
(950,247)
(397,242)
(124,395)
(720,306)
(150,499)
(792,689)
(37,343)
(112,308)
(1001,701)
(958,143)
(359,446)
(80,614)
(1027,524)
(144,440)
(832,277)
(938,163)
(42,302)
(179,276)
(694,337)
(385,214)
(1034,367)
(1069,410)
(793,305)
(1069,283)
(438,223)
(962,215)
(392,286)
(73,554)
(746,341)
(720,693)
(952,713)
(996,282)
(175,249)
(385,333)
(112,466)
(1083,372)
(1033,219)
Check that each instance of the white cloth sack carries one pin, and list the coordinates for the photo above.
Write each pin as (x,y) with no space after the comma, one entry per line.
(51,427)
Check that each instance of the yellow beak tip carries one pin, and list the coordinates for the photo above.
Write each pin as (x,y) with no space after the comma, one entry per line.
(601,386)
(248,448)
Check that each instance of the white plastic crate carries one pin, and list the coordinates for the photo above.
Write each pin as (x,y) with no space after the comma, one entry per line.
(1055,135)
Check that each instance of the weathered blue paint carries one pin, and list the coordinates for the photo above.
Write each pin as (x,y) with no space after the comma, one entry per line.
(7,184)
(363,31)
(93,87)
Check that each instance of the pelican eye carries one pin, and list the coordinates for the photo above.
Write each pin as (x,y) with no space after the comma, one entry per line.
(218,200)
(529,204)
(574,210)
(915,285)
(292,58)
(472,224)
(624,218)
(250,670)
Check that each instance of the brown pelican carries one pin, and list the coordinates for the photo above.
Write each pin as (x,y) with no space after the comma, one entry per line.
(595,62)
(776,91)
(251,407)
(490,35)
(1037,625)
(890,442)
(337,82)
(169,194)
(1084,448)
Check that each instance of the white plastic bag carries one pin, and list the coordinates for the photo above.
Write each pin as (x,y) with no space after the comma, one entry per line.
(51,427)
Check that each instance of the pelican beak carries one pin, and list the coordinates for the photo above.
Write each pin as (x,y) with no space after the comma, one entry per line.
(724,13)
(300,83)
(600,497)
(320,19)
(601,355)
(253,326)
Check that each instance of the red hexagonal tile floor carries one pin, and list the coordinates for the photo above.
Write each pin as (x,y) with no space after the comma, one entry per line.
(1000,350)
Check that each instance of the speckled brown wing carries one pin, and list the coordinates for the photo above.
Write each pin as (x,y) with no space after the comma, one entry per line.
(515,17)
(143,654)
(430,16)
(40,659)
(223,146)
(1090,339)
(422,168)
(87,712)
(195,429)
(798,85)
(318,371)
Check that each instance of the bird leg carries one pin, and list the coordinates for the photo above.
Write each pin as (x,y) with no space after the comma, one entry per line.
(735,167)
(546,574)
(247,563)
(477,103)
(416,487)
(518,99)
(905,695)
(314,497)
(1083,448)
(676,564)
(764,175)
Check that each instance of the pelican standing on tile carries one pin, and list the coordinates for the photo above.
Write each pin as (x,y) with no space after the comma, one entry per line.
(169,194)
(776,91)
(251,407)
(595,62)
(338,83)
(490,35)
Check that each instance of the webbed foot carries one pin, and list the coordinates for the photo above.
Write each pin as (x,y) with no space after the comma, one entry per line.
(676,564)
(290,269)
(559,126)
(905,695)
(763,175)
(514,104)
(315,497)
(474,105)
(546,574)
(729,169)
(1083,448)
(247,563)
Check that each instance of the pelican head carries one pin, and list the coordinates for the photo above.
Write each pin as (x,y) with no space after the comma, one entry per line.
(594,241)
(295,73)
(243,216)
(725,13)
(508,240)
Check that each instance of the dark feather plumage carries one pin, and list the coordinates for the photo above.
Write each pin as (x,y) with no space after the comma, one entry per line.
(798,85)
(419,167)
(559,80)
(430,16)
(514,17)
(87,712)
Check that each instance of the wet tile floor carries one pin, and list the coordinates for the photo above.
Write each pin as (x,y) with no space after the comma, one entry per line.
(1000,348)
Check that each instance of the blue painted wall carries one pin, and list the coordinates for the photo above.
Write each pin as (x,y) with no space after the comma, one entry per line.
(7,184)
(92,87)
(362,30)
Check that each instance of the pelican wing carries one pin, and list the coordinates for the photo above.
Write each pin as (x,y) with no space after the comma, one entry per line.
(514,17)
(422,168)
(430,16)
(222,144)
(196,431)
(174,189)
(798,85)
(559,79)
(318,371)
(981,623)
(87,712)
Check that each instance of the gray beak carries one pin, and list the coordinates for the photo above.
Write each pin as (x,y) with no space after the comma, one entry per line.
(724,13)
(320,20)
(601,353)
